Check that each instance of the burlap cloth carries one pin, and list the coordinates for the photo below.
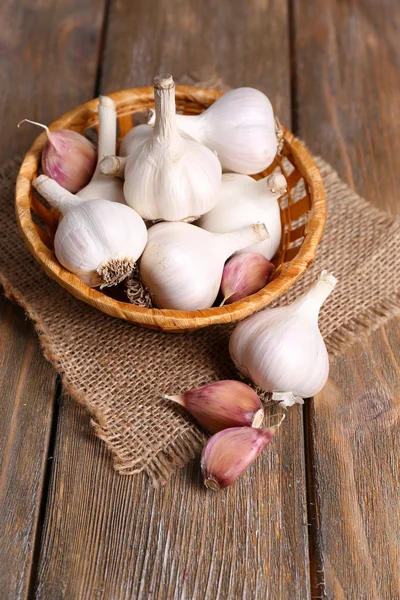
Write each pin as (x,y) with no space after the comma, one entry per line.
(119,371)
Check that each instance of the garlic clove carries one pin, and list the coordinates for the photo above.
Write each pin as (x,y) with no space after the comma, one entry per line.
(230,452)
(244,274)
(182,264)
(67,157)
(281,349)
(222,404)
(97,240)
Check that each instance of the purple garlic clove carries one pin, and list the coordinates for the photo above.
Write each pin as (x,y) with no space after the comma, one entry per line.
(244,274)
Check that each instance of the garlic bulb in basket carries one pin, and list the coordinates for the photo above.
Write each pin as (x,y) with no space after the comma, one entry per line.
(101,186)
(243,201)
(239,126)
(98,240)
(134,138)
(182,264)
(281,349)
(168,176)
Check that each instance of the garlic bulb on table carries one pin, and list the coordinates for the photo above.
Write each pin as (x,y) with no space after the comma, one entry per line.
(98,240)
(101,186)
(182,264)
(281,349)
(239,126)
(67,156)
(168,176)
(242,201)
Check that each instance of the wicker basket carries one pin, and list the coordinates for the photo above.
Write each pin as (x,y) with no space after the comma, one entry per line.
(303,212)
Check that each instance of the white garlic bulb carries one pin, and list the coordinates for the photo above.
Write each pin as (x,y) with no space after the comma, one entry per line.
(168,176)
(281,349)
(239,126)
(243,201)
(98,240)
(100,186)
(182,264)
(134,138)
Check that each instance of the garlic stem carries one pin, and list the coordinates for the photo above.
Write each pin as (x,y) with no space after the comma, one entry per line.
(38,124)
(113,166)
(164,99)
(238,240)
(107,129)
(312,300)
(276,183)
(57,196)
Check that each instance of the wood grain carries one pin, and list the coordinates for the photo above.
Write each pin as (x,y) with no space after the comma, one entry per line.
(48,63)
(347,60)
(111,537)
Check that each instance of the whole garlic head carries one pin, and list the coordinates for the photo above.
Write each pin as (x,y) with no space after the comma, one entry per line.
(243,201)
(168,176)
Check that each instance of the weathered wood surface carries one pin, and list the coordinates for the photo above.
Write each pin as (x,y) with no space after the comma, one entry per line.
(347,57)
(111,537)
(48,64)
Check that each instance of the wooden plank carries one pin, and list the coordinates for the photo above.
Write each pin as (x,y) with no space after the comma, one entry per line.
(347,61)
(48,63)
(110,537)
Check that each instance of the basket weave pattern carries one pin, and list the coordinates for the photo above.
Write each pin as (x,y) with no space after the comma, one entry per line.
(303,213)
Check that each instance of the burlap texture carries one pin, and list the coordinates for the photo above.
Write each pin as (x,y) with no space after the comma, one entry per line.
(119,371)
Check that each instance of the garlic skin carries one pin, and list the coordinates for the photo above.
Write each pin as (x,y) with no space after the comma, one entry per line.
(281,349)
(242,201)
(135,138)
(230,452)
(222,404)
(113,166)
(244,274)
(98,240)
(168,176)
(99,186)
(182,264)
(67,157)
(239,126)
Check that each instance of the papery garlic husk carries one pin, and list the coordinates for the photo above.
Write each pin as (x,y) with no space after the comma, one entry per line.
(67,157)
(135,138)
(98,240)
(244,274)
(281,349)
(242,201)
(170,177)
(222,404)
(230,452)
(182,264)
(239,126)
(100,186)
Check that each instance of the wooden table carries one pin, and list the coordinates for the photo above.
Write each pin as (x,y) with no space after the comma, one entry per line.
(319,515)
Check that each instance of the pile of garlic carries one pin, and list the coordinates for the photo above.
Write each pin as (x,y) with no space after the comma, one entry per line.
(218,231)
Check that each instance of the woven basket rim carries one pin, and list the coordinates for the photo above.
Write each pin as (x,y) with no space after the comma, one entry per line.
(164,318)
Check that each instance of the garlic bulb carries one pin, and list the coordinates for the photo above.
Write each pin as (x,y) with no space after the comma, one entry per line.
(135,138)
(222,404)
(182,264)
(100,186)
(244,274)
(230,452)
(242,201)
(281,349)
(98,240)
(168,176)
(67,157)
(239,126)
